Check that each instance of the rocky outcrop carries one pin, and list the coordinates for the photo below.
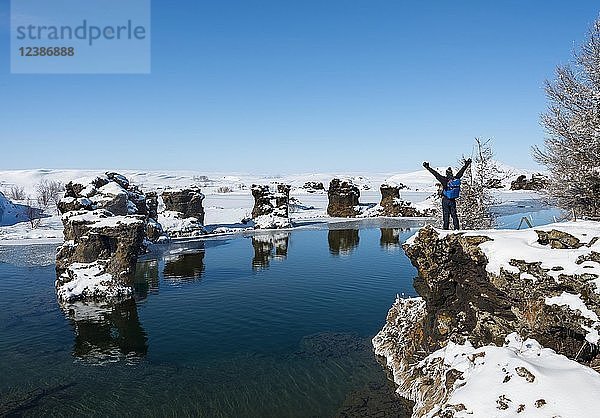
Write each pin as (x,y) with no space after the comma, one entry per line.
(188,202)
(478,289)
(536,182)
(111,192)
(106,220)
(99,255)
(483,287)
(183,216)
(271,206)
(343,199)
(392,205)
(313,186)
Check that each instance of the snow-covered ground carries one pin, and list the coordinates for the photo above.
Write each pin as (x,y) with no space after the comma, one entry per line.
(522,378)
(228,197)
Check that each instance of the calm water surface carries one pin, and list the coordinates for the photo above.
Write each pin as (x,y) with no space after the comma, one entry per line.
(271,325)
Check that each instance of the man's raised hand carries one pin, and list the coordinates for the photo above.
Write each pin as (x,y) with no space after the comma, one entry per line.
(426,164)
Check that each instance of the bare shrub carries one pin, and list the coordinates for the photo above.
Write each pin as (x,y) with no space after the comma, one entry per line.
(17,193)
(49,191)
(33,214)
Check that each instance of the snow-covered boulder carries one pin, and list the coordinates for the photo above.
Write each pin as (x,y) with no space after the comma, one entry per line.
(271,207)
(343,199)
(110,191)
(106,221)
(479,287)
(485,284)
(392,205)
(98,257)
(183,216)
(517,378)
(175,225)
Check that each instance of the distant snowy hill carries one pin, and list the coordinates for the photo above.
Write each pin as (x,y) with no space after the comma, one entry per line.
(420,180)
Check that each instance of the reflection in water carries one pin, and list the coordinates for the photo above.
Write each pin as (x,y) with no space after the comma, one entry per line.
(146,278)
(110,331)
(342,241)
(390,237)
(107,332)
(185,267)
(267,247)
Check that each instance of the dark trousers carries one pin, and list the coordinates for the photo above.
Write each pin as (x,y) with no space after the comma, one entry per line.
(449,209)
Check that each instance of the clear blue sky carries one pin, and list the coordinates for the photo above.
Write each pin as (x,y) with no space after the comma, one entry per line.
(298,86)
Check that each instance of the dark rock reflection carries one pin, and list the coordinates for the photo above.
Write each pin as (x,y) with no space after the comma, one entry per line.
(342,241)
(146,278)
(267,247)
(390,237)
(184,267)
(110,331)
(105,333)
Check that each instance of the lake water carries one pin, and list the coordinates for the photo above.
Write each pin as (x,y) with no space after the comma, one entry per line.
(271,325)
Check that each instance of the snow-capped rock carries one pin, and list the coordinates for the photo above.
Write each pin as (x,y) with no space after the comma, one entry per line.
(392,205)
(271,207)
(343,198)
(518,378)
(479,287)
(106,220)
(186,201)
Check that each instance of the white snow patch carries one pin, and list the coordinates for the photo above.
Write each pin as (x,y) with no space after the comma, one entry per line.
(98,219)
(271,221)
(576,304)
(176,226)
(517,377)
(88,281)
